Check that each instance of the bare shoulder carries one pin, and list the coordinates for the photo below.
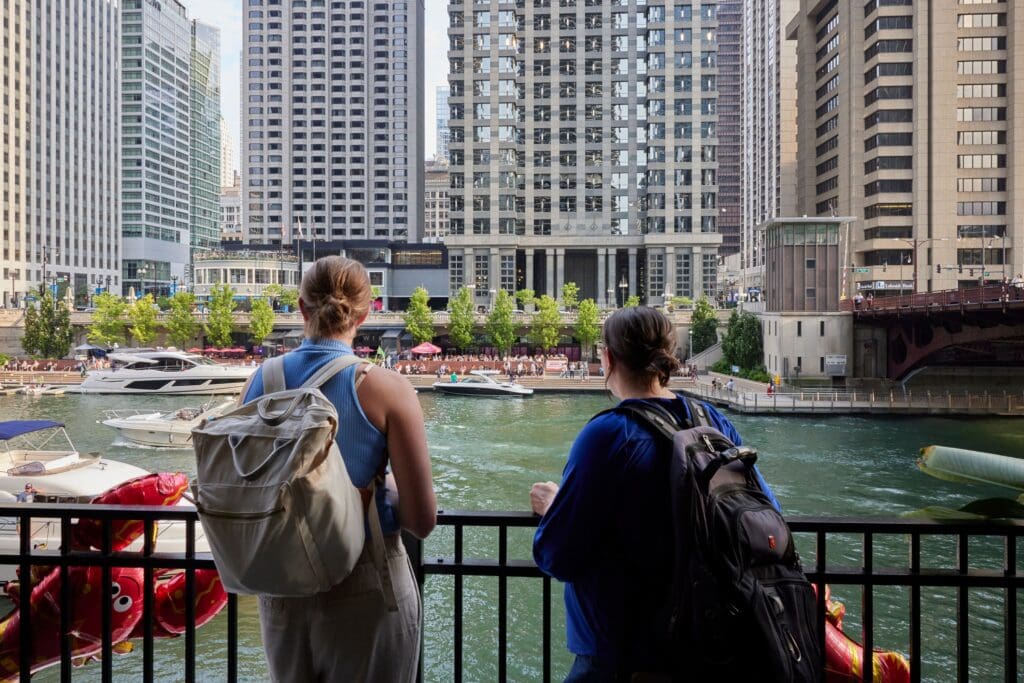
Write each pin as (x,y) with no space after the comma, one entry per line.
(381,381)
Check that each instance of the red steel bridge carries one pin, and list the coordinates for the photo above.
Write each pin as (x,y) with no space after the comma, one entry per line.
(980,326)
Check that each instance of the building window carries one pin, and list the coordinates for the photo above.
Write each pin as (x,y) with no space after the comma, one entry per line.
(710,274)
(482,269)
(684,281)
(455,273)
(656,274)
(508,273)
(821,328)
(799,328)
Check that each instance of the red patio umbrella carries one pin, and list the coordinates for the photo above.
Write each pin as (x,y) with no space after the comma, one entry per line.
(426,348)
(195,350)
(363,349)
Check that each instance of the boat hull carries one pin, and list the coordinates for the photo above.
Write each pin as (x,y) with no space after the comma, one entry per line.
(481,390)
(151,436)
(183,386)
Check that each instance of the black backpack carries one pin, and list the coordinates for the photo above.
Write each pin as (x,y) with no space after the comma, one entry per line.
(741,607)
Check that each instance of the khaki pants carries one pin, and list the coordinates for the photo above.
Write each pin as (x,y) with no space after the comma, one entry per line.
(346,633)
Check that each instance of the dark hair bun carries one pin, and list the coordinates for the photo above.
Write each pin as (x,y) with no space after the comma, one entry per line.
(643,341)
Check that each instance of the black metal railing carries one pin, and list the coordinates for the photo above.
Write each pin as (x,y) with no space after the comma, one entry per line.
(864,545)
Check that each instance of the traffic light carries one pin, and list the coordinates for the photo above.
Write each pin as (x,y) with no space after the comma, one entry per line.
(960,267)
(971,273)
(938,268)
(884,266)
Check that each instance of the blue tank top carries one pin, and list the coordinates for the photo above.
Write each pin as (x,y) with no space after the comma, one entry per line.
(363,446)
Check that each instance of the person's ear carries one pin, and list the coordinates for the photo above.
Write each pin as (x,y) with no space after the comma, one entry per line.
(303,311)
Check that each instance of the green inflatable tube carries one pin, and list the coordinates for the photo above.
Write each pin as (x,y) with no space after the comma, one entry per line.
(960,465)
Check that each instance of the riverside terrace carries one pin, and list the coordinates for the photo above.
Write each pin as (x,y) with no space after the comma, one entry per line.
(829,545)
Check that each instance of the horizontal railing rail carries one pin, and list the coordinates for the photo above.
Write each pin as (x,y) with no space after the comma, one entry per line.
(817,539)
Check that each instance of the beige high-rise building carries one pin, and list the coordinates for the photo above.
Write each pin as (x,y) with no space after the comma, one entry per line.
(769,127)
(60,175)
(904,122)
(436,186)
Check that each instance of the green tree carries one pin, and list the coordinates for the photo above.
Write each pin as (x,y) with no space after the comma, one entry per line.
(107,320)
(220,324)
(546,329)
(570,295)
(273,293)
(742,345)
(461,321)
(181,324)
(418,318)
(633,301)
(48,332)
(501,328)
(290,298)
(526,297)
(142,315)
(704,325)
(261,320)
(588,326)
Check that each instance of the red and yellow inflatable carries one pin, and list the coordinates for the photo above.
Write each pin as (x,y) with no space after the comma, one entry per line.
(127,586)
(844,657)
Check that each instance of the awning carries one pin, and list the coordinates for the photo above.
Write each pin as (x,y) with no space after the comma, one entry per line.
(9,430)
(294,334)
(274,336)
(393,333)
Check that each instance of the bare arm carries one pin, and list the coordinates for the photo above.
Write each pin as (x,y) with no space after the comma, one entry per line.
(390,403)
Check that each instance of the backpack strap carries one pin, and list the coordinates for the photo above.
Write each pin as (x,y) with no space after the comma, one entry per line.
(652,415)
(697,413)
(273,375)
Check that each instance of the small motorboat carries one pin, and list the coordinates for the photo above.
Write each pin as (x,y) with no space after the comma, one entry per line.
(163,430)
(482,383)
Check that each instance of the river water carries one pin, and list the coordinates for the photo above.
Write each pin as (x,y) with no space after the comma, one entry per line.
(487,452)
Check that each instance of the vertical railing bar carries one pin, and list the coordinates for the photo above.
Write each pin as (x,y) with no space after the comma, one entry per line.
(503,604)
(915,608)
(868,626)
(546,620)
(65,602)
(190,601)
(962,606)
(457,621)
(820,564)
(1010,608)
(25,597)
(148,597)
(232,638)
(105,602)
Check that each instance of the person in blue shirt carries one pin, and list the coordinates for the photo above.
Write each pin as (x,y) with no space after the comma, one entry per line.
(607,530)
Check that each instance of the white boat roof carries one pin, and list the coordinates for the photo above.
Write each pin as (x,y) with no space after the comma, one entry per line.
(152,357)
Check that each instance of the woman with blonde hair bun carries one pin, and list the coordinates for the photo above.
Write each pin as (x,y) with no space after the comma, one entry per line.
(347,633)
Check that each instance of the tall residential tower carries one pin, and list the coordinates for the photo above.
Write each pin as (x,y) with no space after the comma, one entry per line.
(332,120)
(442,124)
(205,147)
(59,101)
(584,148)
(906,121)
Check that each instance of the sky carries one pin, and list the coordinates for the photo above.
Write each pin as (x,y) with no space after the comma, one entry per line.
(227,16)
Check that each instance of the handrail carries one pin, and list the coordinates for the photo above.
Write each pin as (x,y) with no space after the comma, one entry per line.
(874,567)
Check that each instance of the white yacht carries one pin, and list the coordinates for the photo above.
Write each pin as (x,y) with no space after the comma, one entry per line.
(164,372)
(163,429)
(482,383)
(40,453)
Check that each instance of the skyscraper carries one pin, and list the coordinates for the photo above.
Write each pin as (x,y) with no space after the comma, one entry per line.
(156,48)
(205,148)
(730,124)
(59,101)
(905,118)
(442,123)
(584,143)
(228,155)
(332,127)
(769,125)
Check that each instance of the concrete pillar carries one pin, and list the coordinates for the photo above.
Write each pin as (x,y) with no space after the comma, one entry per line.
(468,267)
(559,272)
(633,289)
(602,277)
(670,272)
(549,256)
(697,272)
(529,269)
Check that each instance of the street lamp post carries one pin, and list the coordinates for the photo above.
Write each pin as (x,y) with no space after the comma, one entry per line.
(915,243)
(623,288)
(174,285)
(689,349)
(142,271)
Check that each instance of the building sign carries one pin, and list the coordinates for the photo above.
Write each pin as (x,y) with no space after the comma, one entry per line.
(894,285)
(835,365)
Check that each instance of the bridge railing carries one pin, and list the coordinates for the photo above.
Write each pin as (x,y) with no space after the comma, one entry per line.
(872,555)
(970,296)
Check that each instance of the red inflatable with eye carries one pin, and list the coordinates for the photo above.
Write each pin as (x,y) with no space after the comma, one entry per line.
(126,589)
(844,657)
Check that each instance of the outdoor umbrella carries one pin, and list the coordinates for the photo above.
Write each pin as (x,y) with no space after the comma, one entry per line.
(426,348)
(195,349)
(362,349)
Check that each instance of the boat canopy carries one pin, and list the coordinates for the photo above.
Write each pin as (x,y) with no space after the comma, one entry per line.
(13,428)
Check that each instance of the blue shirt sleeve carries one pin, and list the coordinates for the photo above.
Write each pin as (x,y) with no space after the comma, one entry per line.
(255,387)
(568,532)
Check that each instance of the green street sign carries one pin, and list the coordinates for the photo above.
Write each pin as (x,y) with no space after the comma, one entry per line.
(862,270)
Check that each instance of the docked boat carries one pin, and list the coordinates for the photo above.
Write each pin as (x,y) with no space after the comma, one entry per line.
(164,372)
(163,429)
(40,453)
(41,390)
(482,383)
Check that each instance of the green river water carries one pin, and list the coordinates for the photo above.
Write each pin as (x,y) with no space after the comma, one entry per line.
(487,452)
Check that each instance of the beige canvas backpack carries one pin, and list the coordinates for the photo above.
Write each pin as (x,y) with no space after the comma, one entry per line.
(274,496)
